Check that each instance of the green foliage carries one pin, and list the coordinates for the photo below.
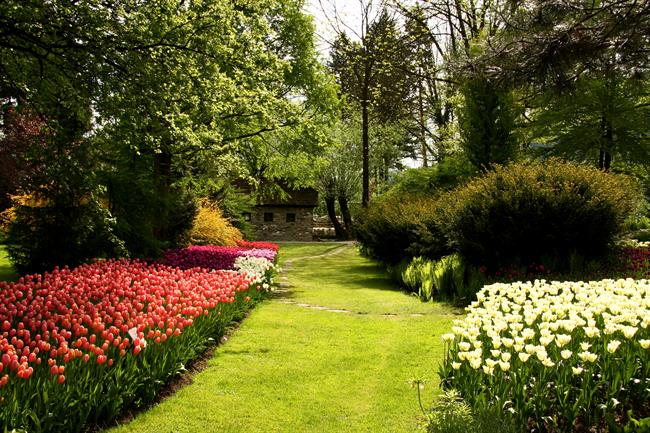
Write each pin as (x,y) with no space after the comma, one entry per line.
(399,227)
(454,279)
(448,278)
(149,219)
(452,171)
(633,425)
(166,102)
(487,123)
(600,114)
(373,73)
(417,277)
(41,237)
(566,39)
(59,215)
(522,213)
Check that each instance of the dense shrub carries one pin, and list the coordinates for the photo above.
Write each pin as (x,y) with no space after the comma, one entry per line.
(210,227)
(400,227)
(528,212)
(42,235)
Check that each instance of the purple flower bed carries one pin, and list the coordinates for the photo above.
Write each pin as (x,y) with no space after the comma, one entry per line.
(212,257)
(264,253)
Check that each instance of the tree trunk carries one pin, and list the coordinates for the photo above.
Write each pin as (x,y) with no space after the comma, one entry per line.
(162,173)
(605,157)
(345,212)
(365,175)
(423,140)
(330,202)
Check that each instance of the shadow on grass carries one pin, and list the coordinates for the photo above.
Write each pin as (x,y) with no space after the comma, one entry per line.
(283,293)
(364,276)
(374,283)
(7,273)
(233,352)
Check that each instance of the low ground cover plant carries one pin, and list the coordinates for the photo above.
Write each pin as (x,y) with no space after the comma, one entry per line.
(453,279)
(447,278)
(553,356)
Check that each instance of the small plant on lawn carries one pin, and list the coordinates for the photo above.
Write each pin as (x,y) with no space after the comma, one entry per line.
(451,414)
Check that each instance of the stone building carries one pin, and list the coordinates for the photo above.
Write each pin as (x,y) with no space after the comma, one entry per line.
(288,218)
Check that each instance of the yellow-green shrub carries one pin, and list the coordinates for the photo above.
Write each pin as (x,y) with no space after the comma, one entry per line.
(211,227)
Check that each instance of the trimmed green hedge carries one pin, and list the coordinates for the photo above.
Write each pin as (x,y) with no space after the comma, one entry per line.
(529,212)
(549,212)
(400,227)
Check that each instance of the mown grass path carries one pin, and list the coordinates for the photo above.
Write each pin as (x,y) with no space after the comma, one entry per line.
(331,352)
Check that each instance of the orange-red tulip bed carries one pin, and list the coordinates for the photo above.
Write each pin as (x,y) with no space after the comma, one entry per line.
(78,346)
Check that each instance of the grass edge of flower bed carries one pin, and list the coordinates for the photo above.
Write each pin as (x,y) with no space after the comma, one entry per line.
(184,376)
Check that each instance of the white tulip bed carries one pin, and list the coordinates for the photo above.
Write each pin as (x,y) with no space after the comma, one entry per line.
(262,269)
(552,355)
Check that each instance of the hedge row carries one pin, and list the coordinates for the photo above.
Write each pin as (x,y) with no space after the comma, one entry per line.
(517,214)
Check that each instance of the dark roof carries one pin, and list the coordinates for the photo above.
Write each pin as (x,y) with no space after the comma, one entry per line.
(286,196)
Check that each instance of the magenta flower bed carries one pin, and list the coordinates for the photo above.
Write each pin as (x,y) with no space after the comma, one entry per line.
(212,256)
(203,256)
(635,262)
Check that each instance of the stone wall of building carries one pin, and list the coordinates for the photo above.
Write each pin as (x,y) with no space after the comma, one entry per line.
(288,223)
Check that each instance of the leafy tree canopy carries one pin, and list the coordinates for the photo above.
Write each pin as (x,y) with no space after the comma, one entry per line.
(150,99)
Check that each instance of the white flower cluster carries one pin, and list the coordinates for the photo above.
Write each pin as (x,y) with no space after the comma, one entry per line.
(634,243)
(597,332)
(261,269)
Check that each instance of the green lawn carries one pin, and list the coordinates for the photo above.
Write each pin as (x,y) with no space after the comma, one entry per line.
(291,368)
(7,272)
